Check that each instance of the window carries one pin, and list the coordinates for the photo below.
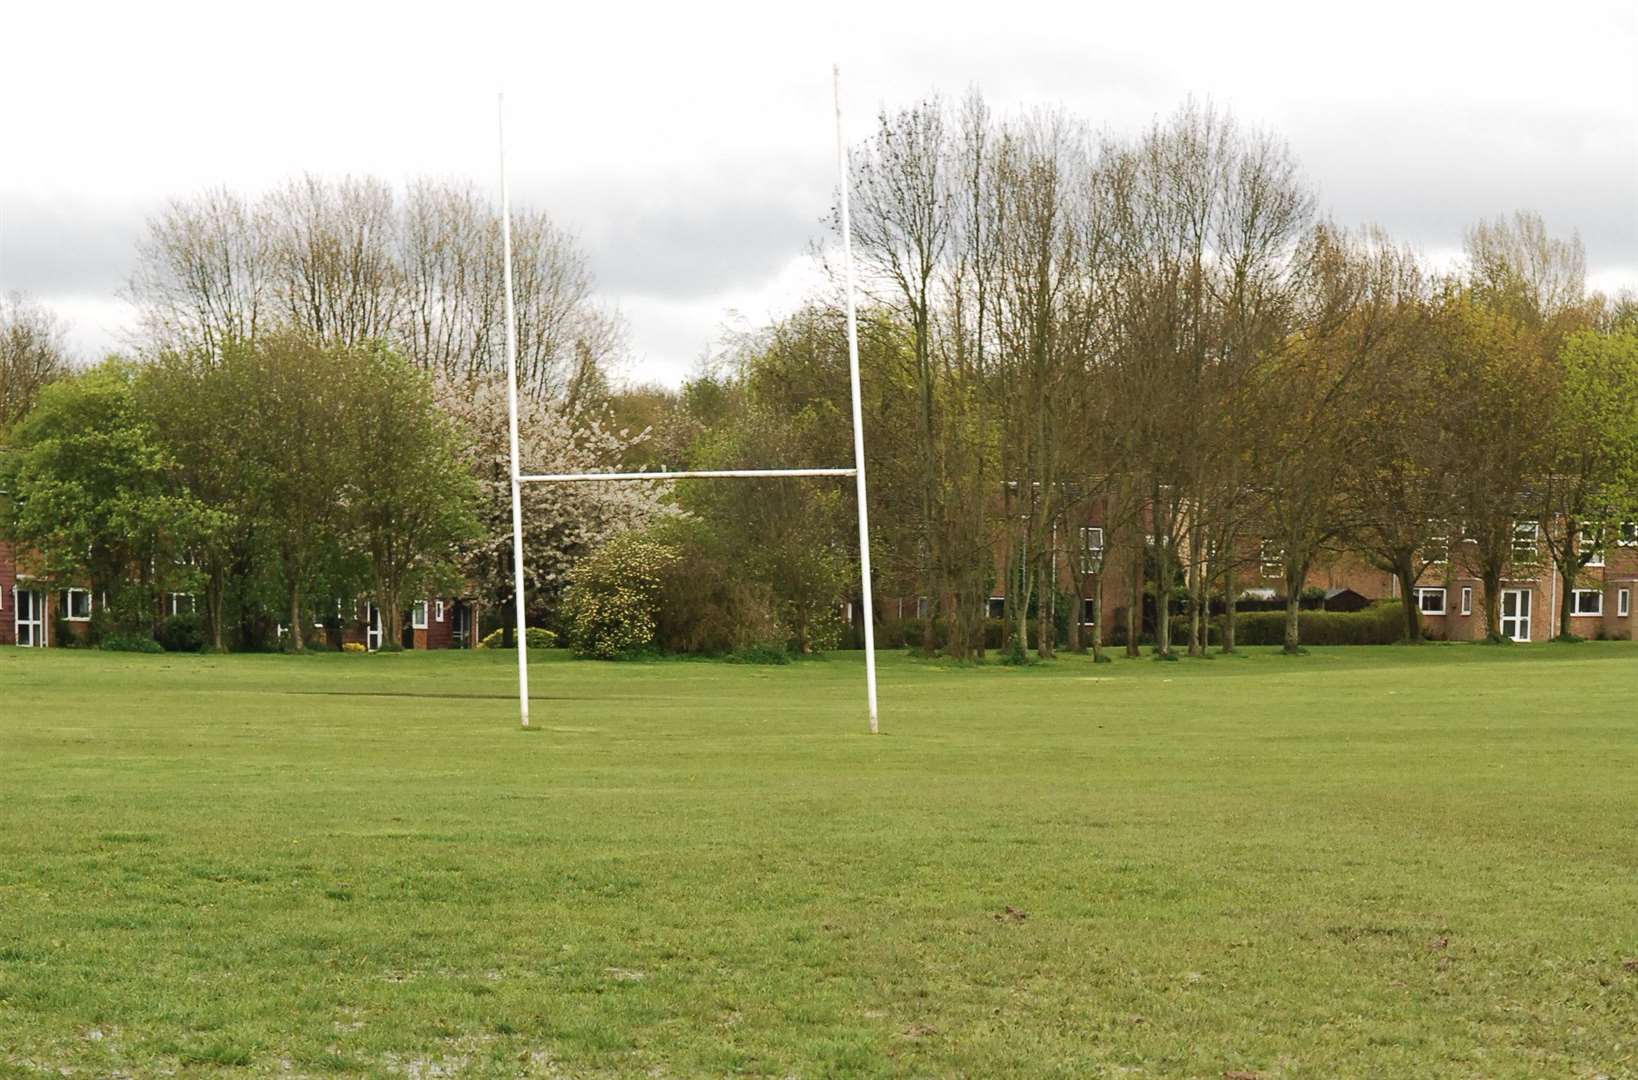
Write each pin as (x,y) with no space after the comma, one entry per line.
(1086,610)
(1091,549)
(1629,534)
(1431,601)
(1525,540)
(181,602)
(1623,603)
(1467,600)
(923,608)
(998,606)
(77,605)
(1437,550)
(1587,602)
(418,615)
(438,612)
(1590,543)
(1273,559)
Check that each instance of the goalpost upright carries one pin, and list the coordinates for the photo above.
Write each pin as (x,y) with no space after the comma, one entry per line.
(518,478)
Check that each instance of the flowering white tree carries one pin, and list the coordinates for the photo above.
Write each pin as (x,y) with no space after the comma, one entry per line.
(561,522)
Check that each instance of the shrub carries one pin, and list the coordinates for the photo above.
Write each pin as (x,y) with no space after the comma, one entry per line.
(1380,624)
(613,595)
(705,603)
(353,646)
(760,654)
(183,632)
(63,635)
(538,637)
(124,641)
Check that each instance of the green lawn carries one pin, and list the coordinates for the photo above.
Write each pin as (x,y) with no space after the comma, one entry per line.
(1384,862)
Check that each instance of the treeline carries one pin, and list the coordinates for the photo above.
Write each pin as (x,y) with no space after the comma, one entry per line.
(1162,332)
(315,413)
(1165,332)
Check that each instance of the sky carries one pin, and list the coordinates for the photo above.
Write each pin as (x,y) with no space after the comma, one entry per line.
(691,147)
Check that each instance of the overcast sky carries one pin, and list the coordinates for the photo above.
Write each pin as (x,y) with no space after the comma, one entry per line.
(691,149)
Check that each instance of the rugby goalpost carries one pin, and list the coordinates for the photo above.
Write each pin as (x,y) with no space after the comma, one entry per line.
(857,471)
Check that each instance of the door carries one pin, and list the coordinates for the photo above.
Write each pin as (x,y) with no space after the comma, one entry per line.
(30,607)
(372,630)
(1515,614)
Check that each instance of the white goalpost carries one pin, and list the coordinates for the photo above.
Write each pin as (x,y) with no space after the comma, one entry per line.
(857,471)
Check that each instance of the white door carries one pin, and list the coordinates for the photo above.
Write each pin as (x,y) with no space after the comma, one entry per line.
(1515,614)
(372,632)
(30,607)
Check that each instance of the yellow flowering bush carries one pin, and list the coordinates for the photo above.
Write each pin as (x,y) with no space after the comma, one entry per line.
(613,596)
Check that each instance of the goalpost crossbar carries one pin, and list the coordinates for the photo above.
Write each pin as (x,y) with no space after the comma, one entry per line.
(857,472)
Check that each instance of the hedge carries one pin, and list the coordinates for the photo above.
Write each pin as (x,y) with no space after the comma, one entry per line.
(1382,623)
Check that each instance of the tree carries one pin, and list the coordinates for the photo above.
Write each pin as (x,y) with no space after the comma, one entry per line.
(346,262)
(31,355)
(204,273)
(198,401)
(93,491)
(561,522)
(1586,491)
(298,468)
(1400,482)
(409,496)
(1495,377)
(1307,390)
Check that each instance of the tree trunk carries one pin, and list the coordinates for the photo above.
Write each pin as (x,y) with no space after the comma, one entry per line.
(1077,612)
(1163,579)
(1407,595)
(1021,608)
(1134,607)
(1097,618)
(392,617)
(1046,630)
(1293,626)
(1196,644)
(215,587)
(1492,604)
(1229,604)
(1294,578)
(1566,596)
(296,641)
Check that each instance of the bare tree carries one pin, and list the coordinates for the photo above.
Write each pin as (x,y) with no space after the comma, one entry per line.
(32,354)
(204,273)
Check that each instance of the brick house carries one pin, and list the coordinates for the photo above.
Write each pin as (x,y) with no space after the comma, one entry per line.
(1450,594)
(33,614)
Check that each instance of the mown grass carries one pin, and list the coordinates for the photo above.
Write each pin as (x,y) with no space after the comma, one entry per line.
(1372,862)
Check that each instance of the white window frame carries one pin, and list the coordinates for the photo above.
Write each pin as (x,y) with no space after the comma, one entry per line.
(1423,593)
(418,615)
(1534,556)
(1623,603)
(1439,545)
(1275,559)
(1575,603)
(176,608)
(438,611)
(1627,534)
(68,605)
(1467,599)
(1091,548)
(989,607)
(1086,609)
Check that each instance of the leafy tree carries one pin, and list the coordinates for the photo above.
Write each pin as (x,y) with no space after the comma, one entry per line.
(1591,435)
(562,523)
(409,496)
(95,493)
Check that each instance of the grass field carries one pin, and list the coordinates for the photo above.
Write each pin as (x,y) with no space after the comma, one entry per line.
(1385,862)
